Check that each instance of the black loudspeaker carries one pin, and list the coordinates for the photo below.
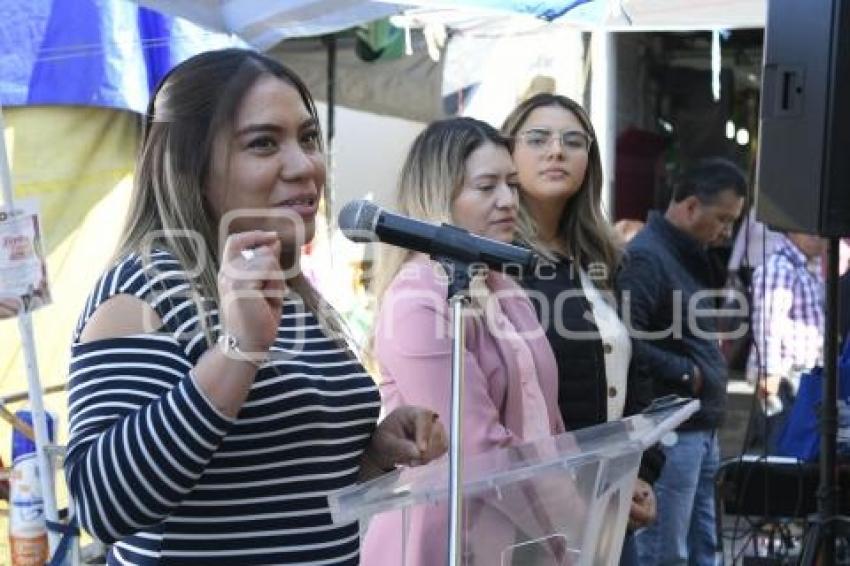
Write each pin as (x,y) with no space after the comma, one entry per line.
(804,148)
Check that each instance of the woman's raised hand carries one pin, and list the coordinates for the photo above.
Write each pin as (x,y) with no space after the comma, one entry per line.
(251,286)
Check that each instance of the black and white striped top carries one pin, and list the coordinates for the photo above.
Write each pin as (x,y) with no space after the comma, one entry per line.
(155,468)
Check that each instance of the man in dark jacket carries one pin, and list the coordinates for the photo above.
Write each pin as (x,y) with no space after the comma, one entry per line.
(669,292)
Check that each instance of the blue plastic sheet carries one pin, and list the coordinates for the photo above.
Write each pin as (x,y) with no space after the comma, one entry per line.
(111,53)
(108,53)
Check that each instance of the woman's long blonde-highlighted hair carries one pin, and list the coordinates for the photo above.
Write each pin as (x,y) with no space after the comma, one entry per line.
(430,180)
(584,228)
(196,101)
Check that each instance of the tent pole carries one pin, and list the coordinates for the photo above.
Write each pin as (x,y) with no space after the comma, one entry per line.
(45,466)
(603,109)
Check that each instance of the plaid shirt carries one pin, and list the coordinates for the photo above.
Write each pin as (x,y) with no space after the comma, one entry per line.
(788,313)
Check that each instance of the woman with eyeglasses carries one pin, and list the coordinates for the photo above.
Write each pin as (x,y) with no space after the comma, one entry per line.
(560,175)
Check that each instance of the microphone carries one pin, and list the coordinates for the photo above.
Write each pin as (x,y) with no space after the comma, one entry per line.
(363,221)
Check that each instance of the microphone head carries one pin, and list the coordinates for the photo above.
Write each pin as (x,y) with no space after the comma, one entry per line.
(358,219)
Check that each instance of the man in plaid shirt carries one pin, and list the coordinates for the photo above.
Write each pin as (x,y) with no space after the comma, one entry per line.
(788,321)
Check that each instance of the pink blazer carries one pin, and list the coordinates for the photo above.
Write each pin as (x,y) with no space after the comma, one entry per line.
(413,349)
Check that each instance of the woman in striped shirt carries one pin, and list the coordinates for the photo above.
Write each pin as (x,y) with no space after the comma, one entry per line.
(214,402)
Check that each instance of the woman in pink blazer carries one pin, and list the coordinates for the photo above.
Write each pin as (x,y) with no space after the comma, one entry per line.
(459,171)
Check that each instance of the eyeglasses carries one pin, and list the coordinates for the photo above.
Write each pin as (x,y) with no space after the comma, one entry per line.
(538,139)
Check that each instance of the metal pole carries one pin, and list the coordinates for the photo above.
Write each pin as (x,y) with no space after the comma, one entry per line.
(603,109)
(827,491)
(39,420)
(455,463)
(329,183)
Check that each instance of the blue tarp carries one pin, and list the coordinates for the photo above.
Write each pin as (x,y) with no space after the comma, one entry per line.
(107,53)
(111,53)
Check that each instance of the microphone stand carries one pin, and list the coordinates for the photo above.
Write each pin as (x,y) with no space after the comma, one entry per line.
(460,275)
(819,544)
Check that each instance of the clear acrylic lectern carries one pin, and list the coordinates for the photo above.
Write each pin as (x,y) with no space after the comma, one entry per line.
(553,502)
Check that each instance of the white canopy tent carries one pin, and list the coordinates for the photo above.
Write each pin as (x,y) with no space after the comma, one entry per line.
(263,23)
(670,15)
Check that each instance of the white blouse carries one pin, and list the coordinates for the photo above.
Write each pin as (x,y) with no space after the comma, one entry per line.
(616,345)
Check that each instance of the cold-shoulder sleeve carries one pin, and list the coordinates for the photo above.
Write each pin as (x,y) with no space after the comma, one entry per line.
(141,432)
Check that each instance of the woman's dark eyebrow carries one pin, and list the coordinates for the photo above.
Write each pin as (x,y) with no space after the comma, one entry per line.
(486,177)
(274,128)
(255,128)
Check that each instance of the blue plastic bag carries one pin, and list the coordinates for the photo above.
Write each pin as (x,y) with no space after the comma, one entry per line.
(801,436)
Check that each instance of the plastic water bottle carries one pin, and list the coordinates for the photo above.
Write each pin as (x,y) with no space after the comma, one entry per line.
(27,526)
